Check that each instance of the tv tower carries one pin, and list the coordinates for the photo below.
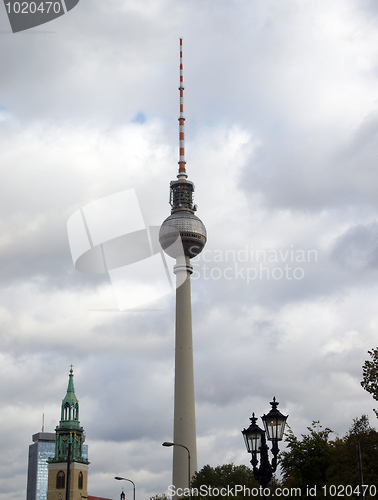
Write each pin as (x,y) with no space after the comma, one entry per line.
(183,236)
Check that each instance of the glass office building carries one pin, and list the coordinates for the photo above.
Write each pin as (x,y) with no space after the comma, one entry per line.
(43,447)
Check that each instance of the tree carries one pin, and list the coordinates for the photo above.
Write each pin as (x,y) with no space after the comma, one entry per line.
(370,375)
(228,476)
(316,461)
(344,467)
(307,460)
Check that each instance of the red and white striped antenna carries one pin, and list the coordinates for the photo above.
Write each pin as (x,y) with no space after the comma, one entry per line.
(182,169)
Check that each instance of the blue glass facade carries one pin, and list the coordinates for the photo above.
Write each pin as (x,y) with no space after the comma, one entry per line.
(42,449)
(45,451)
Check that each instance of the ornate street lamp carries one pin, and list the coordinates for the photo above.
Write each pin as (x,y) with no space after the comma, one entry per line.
(255,441)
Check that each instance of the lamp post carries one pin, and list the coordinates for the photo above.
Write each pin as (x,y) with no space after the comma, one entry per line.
(167,444)
(124,479)
(255,441)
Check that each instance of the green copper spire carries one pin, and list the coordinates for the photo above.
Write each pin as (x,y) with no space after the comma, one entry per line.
(69,431)
(70,406)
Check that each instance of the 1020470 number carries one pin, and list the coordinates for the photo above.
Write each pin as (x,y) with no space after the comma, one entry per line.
(347,491)
(33,7)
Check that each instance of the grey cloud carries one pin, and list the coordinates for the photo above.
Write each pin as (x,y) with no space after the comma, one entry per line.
(357,250)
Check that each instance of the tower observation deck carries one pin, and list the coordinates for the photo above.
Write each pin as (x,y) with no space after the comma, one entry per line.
(183,236)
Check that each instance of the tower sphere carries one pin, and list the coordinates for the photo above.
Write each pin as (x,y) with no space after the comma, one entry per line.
(182,232)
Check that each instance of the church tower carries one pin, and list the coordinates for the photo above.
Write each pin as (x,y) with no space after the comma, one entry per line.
(68,470)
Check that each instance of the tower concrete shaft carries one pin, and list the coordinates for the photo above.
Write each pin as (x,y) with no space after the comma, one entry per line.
(184,431)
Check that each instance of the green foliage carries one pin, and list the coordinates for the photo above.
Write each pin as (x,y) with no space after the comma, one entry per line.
(315,460)
(344,468)
(224,476)
(370,375)
(306,462)
(162,496)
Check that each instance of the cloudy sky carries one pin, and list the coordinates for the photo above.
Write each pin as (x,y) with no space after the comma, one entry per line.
(281,106)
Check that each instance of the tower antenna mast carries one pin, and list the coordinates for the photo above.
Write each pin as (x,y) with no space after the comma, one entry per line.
(182,163)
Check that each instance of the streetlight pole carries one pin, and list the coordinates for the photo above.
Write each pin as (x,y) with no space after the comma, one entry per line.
(68,482)
(125,479)
(255,441)
(167,444)
(360,470)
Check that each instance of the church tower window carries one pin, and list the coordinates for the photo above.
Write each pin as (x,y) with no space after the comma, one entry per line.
(60,480)
(80,481)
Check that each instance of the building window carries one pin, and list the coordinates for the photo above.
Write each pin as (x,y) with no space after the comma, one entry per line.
(60,480)
(67,412)
(80,480)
